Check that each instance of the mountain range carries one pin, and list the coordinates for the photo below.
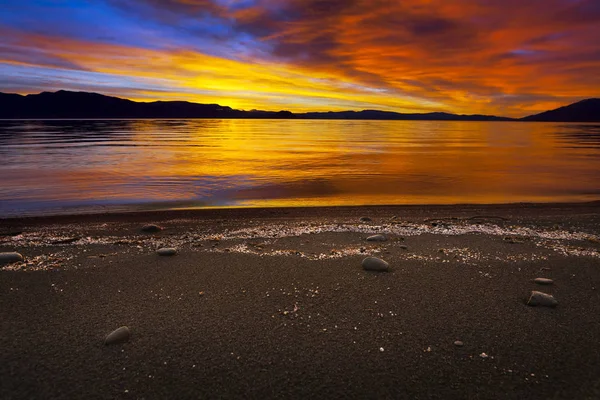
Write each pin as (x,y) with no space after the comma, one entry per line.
(67,104)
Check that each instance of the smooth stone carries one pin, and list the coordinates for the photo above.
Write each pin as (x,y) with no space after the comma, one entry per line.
(377,238)
(365,219)
(541,299)
(458,343)
(151,228)
(118,336)
(543,281)
(167,251)
(375,264)
(10,257)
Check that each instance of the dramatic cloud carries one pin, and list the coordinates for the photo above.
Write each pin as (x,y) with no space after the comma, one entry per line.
(509,58)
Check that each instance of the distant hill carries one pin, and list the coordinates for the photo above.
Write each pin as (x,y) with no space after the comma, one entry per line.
(583,111)
(66,104)
(389,115)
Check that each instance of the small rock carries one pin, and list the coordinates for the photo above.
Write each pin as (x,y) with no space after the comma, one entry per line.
(151,228)
(376,238)
(375,264)
(543,281)
(166,251)
(11,257)
(483,355)
(365,219)
(541,299)
(118,336)
(403,247)
(458,343)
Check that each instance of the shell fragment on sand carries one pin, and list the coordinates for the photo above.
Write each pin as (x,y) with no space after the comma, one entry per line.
(151,228)
(376,238)
(10,257)
(166,251)
(118,336)
(541,299)
(375,264)
(543,281)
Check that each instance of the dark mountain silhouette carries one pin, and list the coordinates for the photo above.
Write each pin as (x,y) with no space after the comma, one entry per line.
(66,104)
(583,111)
(389,115)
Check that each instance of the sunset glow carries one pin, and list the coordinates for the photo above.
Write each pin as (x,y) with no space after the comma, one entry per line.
(510,58)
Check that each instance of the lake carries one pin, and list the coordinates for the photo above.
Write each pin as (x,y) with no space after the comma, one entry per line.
(49,167)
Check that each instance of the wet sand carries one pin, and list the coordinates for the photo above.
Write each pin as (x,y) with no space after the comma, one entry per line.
(273,303)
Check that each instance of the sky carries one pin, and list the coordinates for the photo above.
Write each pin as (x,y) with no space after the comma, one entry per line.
(510,57)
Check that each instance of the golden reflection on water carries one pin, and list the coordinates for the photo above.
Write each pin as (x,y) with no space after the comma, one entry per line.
(288,163)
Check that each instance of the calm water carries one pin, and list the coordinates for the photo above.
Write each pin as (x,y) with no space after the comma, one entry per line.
(64,166)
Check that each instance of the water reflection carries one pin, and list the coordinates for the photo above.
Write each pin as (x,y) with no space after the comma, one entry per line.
(579,135)
(47,165)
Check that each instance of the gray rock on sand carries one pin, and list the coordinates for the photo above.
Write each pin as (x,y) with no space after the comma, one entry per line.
(543,281)
(458,343)
(365,219)
(541,299)
(376,238)
(167,251)
(375,264)
(118,336)
(10,257)
(151,228)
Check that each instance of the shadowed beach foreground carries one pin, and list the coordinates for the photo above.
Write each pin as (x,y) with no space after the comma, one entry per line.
(274,303)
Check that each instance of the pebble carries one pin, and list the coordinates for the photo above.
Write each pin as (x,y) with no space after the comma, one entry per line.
(543,281)
(365,219)
(151,228)
(166,251)
(541,299)
(376,238)
(375,264)
(404,247)
(120,335)
(11,257)
(458,343)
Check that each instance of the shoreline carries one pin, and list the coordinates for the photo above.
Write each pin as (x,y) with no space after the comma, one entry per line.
(273,303)
(249,212)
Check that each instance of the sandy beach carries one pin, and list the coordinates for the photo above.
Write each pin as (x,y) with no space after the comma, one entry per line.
(274,303)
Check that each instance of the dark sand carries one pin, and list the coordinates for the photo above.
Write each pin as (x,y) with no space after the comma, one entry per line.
(273,303)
